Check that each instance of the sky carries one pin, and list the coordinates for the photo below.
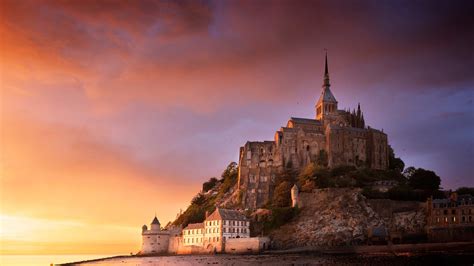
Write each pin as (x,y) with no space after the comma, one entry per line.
(114,110)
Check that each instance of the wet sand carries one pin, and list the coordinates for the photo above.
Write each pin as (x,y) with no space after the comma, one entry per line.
(456,253)
(310,258)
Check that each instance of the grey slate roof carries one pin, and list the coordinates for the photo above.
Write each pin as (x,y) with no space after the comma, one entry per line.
(155,221)
(226,214)
(305,120)
(194,226)
(460,199)
(327,96)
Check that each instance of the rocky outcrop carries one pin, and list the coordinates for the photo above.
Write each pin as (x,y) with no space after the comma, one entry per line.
(401,217)
(409,222)
(328,217)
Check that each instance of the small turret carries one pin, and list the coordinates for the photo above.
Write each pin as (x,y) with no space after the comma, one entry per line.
(144,228)
(294,196)
(155,224)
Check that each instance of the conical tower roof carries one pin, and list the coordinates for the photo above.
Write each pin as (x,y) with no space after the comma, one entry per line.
(326,94)
(155,221)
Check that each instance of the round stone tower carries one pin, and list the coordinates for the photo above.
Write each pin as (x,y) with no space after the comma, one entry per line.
(155,225)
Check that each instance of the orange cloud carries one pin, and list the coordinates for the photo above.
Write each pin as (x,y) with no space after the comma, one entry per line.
(51,173)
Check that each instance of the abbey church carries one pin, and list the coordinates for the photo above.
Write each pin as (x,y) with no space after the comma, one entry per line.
(333,138)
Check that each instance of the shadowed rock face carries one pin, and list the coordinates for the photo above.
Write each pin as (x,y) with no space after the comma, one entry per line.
(402,217)
(328,217)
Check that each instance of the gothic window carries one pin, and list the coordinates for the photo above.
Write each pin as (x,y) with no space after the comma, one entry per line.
(307,147)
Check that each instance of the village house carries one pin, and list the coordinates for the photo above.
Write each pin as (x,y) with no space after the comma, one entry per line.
(218,227)
(223,231)
(450,219)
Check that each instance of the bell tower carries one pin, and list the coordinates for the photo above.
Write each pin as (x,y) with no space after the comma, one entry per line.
(327,103)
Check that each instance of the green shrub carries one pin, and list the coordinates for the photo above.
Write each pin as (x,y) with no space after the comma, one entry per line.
(279,217)
(373,194)
(281,195)
(209,184)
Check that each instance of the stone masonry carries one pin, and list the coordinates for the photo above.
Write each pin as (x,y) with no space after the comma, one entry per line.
(337,137)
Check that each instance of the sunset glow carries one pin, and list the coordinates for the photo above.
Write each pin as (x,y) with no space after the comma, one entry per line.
(114,110)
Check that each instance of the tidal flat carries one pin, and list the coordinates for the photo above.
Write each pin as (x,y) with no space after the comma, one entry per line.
(291,259)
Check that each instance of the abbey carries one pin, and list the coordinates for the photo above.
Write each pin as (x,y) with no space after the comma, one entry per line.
(333,138)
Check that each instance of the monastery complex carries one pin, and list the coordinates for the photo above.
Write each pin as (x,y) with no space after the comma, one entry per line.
(334,137)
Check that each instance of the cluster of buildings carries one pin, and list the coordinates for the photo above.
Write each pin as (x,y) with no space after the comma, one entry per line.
(450,219)
(333,137)
(225,230)
(222,231)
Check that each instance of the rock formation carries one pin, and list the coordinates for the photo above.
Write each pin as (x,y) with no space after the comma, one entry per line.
(329,217)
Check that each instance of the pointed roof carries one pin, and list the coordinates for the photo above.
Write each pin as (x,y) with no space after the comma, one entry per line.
(326,72)
(226,214)
(155,221)
(295,187)
(194,226)
(326,94)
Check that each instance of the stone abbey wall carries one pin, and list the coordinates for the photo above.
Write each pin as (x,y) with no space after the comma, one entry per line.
(301,142)
(339,135)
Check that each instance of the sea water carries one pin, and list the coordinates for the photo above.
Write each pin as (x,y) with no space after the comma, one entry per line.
(45,260)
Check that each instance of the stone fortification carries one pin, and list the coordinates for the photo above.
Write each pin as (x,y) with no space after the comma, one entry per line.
(334,138)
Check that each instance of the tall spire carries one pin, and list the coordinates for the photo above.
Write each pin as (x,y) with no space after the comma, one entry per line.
(326,66)
(326,72)
(327,103)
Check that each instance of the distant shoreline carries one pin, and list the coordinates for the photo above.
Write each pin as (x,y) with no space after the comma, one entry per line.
(376,250)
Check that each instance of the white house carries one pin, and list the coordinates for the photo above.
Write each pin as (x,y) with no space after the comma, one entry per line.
(218,227)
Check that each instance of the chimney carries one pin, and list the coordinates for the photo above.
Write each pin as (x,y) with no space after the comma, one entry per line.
(207,214)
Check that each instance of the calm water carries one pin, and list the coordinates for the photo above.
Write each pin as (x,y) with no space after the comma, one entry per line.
(45,260)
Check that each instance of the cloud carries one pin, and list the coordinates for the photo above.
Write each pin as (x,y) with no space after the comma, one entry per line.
(111,110)
(80,177)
